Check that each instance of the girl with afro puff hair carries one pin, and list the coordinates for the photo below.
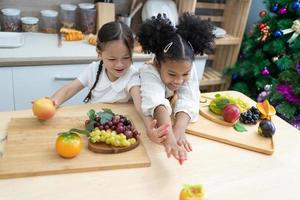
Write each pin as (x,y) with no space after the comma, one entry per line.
(173,72)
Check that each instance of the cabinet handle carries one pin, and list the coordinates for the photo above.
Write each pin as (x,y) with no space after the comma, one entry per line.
(58,78)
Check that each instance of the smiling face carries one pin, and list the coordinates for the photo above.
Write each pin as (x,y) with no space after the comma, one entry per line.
(116,59)
(174,73)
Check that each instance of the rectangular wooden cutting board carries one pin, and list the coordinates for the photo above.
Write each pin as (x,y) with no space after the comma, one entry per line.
(30,150)
(248,140)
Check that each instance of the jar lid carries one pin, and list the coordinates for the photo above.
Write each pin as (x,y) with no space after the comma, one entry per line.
(86,5)
(29,20)
(69,7)
(49,13)
(11,11)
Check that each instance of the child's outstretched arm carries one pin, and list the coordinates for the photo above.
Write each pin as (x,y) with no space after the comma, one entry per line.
(155,134)
(181,122)
(186,108)
(66,92)
(171,147)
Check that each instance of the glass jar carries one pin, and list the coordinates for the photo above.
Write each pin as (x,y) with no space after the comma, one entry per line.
(49,22)
(11,20)
(88,16)
(68,15)
(29,24)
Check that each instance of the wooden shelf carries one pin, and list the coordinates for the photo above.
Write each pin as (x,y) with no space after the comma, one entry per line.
(211,77)
(230,15)
(227,40)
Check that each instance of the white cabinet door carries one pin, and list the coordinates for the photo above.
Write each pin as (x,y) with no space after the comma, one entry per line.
(6,89)
(34,82)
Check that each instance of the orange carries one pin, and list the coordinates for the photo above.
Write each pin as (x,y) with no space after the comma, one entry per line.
(68,145)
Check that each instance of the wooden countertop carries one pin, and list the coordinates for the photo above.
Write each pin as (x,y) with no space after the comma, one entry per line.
(226,172)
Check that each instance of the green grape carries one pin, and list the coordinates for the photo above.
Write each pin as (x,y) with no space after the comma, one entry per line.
(108,140)
(122,136)
(125,143)
(117,143)
(132,140)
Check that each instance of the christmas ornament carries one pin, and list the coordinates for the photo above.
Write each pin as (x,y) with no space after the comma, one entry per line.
(275,8)
(262,26)
(296,5)
(267,88)
(234,76)
(265,33)
(295,28)
(277,33)
(262,96)
(298,67)
(262,13)
(265,71)
(274,59)
(282,11)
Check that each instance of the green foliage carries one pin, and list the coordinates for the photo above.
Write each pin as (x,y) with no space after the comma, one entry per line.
(286,109)
(255,55)
(239,127)
(285,63)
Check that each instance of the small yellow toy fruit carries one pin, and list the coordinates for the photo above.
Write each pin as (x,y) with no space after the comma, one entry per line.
(192,192)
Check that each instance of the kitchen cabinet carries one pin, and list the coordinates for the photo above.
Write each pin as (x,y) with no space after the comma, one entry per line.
(6,89)
(38,81)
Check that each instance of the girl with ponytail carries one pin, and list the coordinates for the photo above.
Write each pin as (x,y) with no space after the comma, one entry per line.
(173,73)
(112,78)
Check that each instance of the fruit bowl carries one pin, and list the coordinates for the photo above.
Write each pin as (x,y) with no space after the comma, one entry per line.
(109,132)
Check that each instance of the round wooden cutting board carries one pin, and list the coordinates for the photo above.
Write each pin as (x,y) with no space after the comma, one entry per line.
(101,147)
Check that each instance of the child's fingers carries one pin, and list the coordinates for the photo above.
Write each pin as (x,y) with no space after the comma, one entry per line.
(168,151)
(182,156)
(153,123)
(162,139)
(187,146)
(162,133)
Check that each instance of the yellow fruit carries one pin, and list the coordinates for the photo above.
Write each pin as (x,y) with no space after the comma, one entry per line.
(43,108)
(266,109)
(192,192)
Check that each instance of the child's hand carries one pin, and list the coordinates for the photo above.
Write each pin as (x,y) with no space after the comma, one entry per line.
(173,149)
(55,104)
(176,151)
(157,135)
(181,139)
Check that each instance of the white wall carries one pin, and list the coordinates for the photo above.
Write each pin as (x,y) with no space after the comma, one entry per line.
(256,7)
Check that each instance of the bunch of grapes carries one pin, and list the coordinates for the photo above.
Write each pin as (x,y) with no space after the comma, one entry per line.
(250,116)
(111,138)
(118,123)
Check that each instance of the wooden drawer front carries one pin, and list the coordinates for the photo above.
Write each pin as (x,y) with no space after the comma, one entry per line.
(34,82)
(6,89)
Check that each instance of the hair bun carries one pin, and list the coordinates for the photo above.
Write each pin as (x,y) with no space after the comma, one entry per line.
(154,33)
(197,32)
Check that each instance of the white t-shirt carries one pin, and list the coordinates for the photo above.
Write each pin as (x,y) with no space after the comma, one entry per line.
(154,93)
(107,91)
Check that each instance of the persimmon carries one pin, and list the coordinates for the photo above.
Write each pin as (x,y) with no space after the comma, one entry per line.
(68,144)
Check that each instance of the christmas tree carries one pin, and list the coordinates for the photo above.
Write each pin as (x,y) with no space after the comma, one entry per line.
(269,61)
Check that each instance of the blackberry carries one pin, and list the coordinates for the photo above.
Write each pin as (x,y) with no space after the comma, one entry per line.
(250,116)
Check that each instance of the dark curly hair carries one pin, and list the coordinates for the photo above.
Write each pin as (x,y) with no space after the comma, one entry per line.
(109,32)
(190,37)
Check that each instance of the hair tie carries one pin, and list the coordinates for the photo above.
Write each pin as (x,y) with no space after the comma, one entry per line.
(167,47)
